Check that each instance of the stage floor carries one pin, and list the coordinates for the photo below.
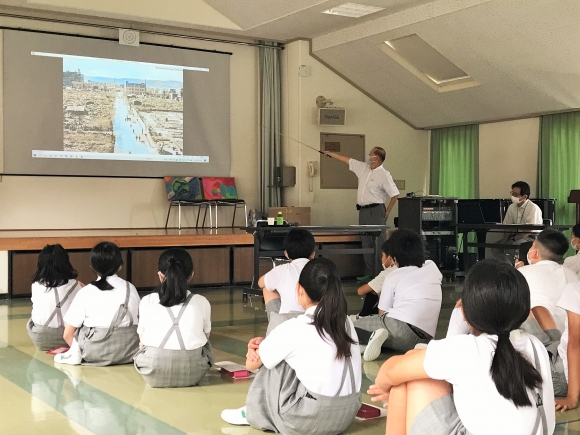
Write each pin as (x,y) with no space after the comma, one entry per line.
(35,240)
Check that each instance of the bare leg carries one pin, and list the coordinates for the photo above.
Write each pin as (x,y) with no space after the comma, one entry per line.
(421,393)
(397,416)
(269,295)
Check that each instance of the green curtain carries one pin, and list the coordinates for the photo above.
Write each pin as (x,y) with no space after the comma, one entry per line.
(558,158)
(455,162)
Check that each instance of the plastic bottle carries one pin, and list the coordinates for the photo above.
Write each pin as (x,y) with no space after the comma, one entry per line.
(279,219)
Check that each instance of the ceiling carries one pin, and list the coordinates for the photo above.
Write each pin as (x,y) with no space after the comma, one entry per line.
(525,54)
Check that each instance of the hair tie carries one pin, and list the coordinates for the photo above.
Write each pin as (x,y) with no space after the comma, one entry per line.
(505,334)
(174,261)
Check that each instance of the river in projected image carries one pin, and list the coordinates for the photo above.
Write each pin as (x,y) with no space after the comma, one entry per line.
(122,107)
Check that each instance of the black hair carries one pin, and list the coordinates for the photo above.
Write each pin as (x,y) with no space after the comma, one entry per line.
(321,282)
(554,244)
(576,230)
(177,266)
(405,247)
(379,152)
(299,243)
(523,186)
(496,300)
(53,268)
(105,260)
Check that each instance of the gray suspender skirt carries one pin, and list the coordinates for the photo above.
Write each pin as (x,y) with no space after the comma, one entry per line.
(162,367)
(45,337)
(112,345)
(279,402)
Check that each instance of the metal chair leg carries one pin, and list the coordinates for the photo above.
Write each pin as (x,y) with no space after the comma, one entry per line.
(168,213)
(179,218)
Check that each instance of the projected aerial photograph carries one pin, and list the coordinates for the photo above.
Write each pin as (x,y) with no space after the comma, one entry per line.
(113,106)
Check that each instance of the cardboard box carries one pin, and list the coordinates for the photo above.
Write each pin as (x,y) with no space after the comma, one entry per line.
(292,214)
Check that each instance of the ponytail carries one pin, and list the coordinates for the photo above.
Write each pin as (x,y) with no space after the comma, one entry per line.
(105,261)
(496,301)
(512,373)
(177,267)
(321,281)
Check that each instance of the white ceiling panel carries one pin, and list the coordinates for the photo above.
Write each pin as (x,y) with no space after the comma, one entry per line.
(525,54)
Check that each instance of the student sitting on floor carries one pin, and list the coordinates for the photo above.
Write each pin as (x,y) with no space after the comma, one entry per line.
(54,287)
(566,364)
(573,262)
(101,323)
(310,369)
(494,381)
(547,280)
(174,327)
(279,285)
(372,290)
(410,300)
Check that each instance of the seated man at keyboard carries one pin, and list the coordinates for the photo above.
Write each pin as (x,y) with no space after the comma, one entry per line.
(522,211)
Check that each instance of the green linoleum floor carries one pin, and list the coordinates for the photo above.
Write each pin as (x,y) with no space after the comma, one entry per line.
(38,398)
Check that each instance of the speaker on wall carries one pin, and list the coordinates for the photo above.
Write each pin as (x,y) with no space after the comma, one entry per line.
(331,116)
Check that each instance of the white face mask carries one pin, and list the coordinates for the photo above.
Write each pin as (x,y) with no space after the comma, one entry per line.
(515,200)
(572,244)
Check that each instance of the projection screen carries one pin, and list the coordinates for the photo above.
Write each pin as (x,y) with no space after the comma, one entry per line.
(89,107)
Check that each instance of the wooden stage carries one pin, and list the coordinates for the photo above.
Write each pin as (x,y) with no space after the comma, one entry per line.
(222,256)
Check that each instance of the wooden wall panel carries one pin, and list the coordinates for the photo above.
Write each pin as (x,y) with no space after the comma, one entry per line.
(243,264)
(24,265)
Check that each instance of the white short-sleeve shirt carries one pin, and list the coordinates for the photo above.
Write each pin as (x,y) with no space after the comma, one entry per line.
(547,280)
(96,308)
(465,360)
(374,185)
(312,358)
(573,263)
(44,303)
(527,213)
(283,279)
(412,295)
(569,301)
(155,322)
(377,282)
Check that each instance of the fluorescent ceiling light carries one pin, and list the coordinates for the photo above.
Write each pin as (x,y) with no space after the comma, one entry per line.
(352,10)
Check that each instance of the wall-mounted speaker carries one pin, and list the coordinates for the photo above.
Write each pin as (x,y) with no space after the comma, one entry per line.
(331,116)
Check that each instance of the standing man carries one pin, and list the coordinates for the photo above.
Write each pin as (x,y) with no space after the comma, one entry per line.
(376,196)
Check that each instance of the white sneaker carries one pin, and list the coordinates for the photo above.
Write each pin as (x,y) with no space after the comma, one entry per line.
(373,349)
(71,356)
(353,317)
(362,348)
(235,416)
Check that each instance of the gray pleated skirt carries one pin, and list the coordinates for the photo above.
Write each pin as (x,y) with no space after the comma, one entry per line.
(173,368)
(439,418)
(98,349)
(279,402)
(45,338)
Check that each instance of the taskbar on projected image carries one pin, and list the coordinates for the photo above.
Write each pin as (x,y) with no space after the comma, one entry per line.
(43,154)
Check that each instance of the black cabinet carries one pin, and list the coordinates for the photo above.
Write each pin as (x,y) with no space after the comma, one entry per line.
(435,218)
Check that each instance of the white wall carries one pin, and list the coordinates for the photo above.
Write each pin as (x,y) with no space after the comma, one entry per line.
(407,149)
(508,152)
(63,202)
